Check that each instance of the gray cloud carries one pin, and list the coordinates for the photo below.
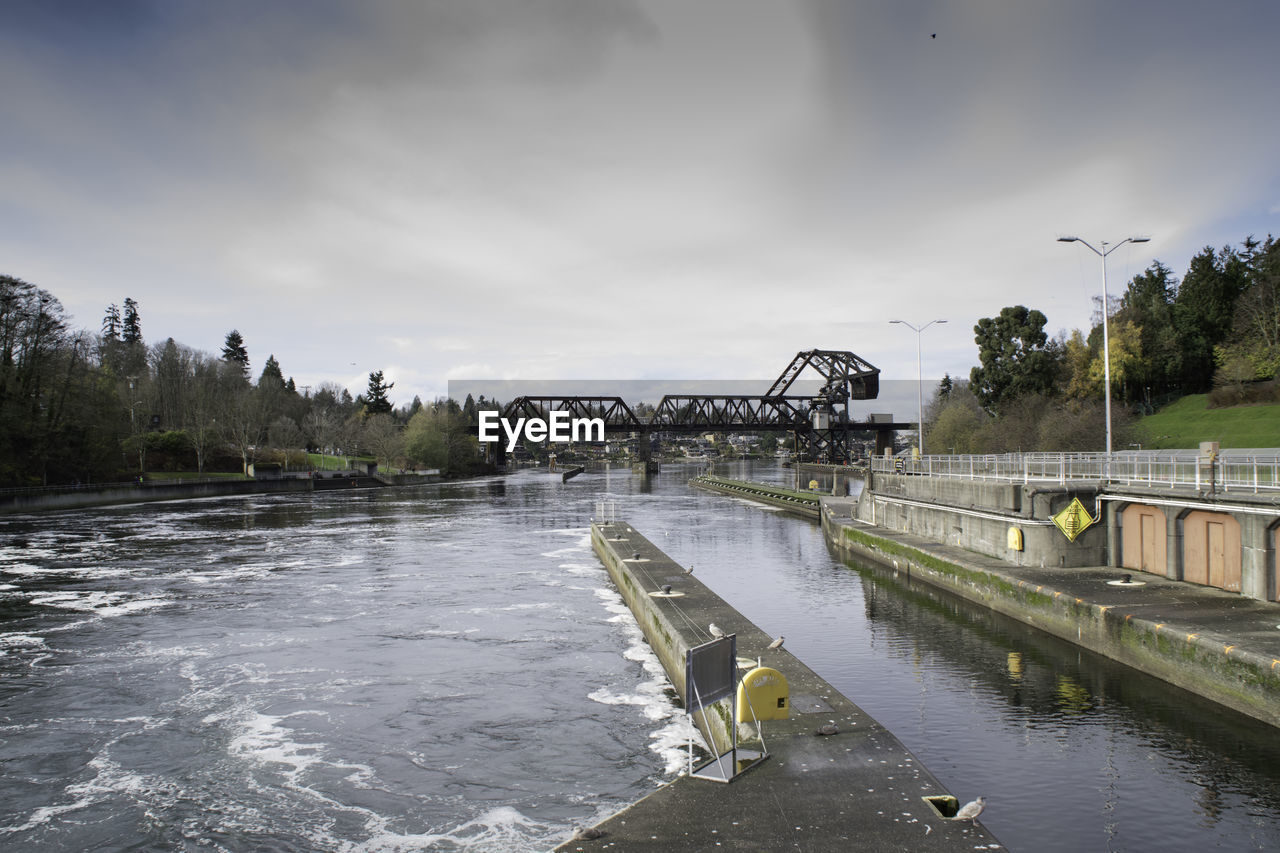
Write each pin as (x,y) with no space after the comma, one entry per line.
(592,189)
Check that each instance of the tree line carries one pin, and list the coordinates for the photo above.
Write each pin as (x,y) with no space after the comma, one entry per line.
(84,407)
(1216,330)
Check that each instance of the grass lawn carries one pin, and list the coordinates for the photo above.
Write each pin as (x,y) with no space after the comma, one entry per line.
(1187,422)
(326,462)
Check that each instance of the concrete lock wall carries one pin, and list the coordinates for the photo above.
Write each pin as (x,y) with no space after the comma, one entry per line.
(665,638)
(1230,550)
(981,516)
(1274,565)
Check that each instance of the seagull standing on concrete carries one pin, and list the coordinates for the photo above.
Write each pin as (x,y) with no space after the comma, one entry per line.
(777,644)
(716,630)
(588,833)
(970,811)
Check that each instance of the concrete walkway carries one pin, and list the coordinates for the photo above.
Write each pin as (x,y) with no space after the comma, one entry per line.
(859,789)
(1215,643)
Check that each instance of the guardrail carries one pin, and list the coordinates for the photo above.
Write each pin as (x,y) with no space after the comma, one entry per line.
(1240,472)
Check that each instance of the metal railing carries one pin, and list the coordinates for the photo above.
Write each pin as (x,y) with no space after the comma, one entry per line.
(1241,471)
(606,511)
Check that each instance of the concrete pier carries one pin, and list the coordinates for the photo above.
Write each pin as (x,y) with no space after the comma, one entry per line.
(859,789)
(790,500)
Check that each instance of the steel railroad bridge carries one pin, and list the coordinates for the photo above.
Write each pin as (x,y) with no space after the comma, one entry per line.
(820,424)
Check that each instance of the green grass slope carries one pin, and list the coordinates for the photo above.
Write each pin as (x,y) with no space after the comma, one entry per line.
(1187,422)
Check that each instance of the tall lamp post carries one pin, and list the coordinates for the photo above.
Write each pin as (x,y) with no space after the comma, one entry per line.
(919,378)
(1106,338)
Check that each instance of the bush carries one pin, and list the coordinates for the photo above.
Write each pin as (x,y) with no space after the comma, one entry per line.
(1244,393)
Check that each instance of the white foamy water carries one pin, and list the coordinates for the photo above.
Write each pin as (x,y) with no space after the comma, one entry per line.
(280,669)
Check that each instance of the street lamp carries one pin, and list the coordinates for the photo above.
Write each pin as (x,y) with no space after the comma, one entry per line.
(919,379)
(1106,339)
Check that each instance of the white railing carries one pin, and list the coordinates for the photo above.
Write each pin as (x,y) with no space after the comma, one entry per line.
(1251,471)
(606,511)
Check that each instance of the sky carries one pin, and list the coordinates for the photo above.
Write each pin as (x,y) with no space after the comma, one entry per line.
(620,189)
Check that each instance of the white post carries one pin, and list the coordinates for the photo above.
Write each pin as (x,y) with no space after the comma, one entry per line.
(920,392)
(1106,359)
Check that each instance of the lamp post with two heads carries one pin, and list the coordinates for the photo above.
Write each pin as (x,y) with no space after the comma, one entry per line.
(919,379)
(1106,338)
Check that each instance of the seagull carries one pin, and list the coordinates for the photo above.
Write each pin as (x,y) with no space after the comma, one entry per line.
(716,630)
(970,811)
(588,833)
(689,570)
(827,730)
(777,644)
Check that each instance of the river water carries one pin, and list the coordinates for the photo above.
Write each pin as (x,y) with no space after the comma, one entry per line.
(448,668)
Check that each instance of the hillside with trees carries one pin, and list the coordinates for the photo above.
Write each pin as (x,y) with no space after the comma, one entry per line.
(1215,332)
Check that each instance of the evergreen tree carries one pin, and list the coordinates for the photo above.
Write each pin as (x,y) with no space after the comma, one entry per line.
(1256,329)
(131,329)
(111,324)
(945,387)
(234,353)
(1016,360)
(1147,305)
(271,374)
(375,400)
(1203,311)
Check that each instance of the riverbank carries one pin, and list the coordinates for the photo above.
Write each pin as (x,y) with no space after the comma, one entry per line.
(148,491)
(1213,643)
(857,789)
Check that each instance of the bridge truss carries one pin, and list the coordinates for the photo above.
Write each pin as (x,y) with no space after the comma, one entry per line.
(820,424)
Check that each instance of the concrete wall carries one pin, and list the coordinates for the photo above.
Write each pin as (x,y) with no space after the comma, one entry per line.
(978,515)
(1238,679)
(665,637)
(1228,542)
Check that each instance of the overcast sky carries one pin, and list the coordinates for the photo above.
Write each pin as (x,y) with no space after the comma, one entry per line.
(629,190)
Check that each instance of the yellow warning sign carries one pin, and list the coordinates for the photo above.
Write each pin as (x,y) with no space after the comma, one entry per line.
(1073,520)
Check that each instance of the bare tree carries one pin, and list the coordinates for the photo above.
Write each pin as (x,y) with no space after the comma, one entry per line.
(384,439)
(201,407)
